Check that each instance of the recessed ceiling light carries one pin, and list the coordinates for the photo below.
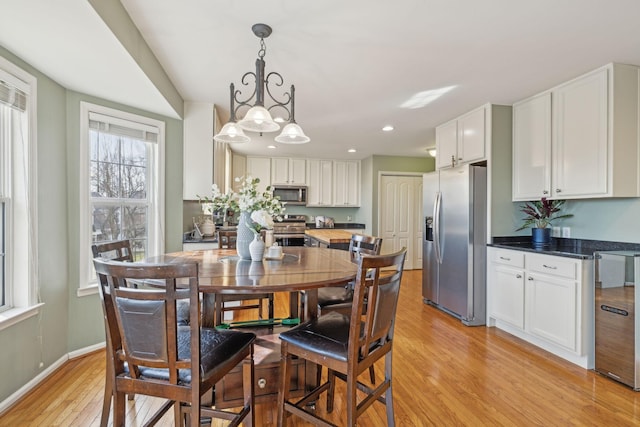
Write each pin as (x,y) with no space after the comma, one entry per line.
(271,146)
(431,151)
(351,150)
(421,99)
(387,128)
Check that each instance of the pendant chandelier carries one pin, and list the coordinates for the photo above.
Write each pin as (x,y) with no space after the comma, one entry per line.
(258,117)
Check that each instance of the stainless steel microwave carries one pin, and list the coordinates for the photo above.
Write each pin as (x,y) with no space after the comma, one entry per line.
(292,194)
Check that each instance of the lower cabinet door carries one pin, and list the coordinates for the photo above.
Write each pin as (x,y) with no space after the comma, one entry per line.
(551,309)
(507,295)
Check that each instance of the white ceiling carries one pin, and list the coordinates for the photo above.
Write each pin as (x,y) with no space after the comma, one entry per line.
(353,62)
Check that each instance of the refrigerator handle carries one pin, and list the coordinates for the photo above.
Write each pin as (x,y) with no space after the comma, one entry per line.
(436,227)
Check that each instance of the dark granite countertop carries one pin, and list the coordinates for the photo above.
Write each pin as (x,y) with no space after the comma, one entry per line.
(339,225)
(570,248)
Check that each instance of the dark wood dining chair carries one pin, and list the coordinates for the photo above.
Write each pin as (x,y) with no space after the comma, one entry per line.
(119,250)
(339,298)
(153,355)
(348,344)
(227,240)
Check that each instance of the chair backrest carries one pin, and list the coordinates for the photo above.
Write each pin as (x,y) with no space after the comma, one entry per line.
(362,244)
(378,283)
(120,250)
(145,319)
(227,239)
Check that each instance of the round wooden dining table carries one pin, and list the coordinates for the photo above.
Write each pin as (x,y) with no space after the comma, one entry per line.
(300,268)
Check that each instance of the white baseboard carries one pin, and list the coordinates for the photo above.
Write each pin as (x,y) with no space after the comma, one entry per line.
(25,389)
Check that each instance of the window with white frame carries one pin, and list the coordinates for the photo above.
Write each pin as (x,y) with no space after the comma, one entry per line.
(18,196)
(122,182)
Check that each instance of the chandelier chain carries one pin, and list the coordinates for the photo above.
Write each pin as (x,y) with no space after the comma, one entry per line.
(263,49)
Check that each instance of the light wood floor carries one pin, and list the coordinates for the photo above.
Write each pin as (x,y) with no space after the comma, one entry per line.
(445,374)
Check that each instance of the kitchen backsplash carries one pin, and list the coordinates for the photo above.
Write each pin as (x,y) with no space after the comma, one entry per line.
(340,215)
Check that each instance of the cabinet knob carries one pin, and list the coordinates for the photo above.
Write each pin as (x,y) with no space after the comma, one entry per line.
(453,161)
(262,383)
(518,276)
(558,190)
(530,278)
(545,192)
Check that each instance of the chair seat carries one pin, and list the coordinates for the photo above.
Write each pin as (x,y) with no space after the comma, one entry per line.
(327,335)
(216,347)
(335,295)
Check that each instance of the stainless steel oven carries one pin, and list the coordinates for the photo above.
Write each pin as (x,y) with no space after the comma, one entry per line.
(290,232)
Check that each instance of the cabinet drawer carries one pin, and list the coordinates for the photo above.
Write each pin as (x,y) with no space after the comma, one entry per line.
(507,257)
(229,391)
(556,266)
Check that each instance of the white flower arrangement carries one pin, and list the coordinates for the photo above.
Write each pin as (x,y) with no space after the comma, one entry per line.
(263,207)
(260,220)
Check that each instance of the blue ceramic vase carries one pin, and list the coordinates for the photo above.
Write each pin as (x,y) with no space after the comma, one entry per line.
(540,236)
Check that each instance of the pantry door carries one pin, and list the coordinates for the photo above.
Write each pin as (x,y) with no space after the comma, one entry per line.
(400,216)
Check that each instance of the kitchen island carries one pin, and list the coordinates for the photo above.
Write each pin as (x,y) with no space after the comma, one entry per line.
(328,238)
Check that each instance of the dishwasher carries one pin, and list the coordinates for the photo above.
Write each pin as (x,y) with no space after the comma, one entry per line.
(617,340)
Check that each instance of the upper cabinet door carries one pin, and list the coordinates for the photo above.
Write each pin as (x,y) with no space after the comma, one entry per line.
(297,171)
(580,140)
(260,167)
(288,171)
(462,140)
(532,148)
(471,136)
(446,144)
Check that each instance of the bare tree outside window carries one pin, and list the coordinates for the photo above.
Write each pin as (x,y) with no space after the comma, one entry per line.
(119,196)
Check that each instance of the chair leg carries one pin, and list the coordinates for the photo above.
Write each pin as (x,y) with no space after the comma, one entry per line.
(352,413)
(118,409)
(372,374)
(218,306)
(248,380)
(178,417)
(271,306)
(106,403)
(331,379)
(285,378)
(388,396)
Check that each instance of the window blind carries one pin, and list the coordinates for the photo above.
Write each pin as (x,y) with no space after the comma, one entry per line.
(120,127)
(12,96)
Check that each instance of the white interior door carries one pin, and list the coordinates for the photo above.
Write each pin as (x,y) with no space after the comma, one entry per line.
(400,216)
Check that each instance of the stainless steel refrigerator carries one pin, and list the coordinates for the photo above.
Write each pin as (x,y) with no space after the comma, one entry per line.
(454,243)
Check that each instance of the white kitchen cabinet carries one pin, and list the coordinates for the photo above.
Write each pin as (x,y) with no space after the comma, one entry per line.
(319,182)
(544,299)
(506,299)
(532,148)
(346,183)
(198,130)
(579,139)
(287,171)
(462,140)
(260,167)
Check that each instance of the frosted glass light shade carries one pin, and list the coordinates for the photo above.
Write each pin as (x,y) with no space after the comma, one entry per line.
(292,134)
(258,119)
(232,133)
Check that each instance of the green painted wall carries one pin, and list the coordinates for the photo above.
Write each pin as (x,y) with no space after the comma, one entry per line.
(67,322)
